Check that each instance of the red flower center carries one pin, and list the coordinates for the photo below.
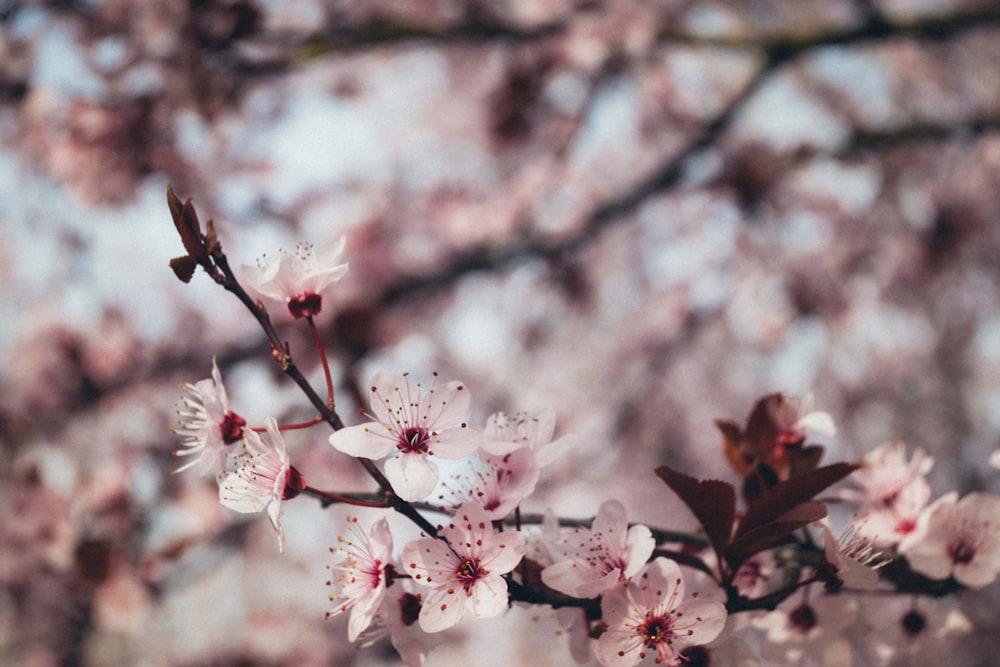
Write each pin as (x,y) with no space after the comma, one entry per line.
(306,304)
(232,427)
(961,552)
(654,630)
(469,572)
(414,440)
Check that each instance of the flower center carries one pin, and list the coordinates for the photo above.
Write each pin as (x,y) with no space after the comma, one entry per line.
(469,572)
(231,427)
(913,623)
(803,618)
(305,304)
(414,440)
(961,552)
(409,608)
(294,483)
(654,630)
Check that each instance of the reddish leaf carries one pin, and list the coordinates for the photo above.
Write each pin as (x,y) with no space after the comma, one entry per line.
(767,535)
(713,503)
(187,224)
(761,429)
(776,501)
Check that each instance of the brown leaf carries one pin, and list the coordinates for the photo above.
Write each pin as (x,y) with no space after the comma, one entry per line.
(713,503)
(766,535)
(779,499)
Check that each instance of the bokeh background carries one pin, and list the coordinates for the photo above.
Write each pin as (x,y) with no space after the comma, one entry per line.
(644,215)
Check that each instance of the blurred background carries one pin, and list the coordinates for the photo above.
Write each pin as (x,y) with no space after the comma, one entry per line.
(644,215)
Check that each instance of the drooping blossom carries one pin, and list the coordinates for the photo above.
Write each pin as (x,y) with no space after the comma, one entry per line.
(263,477)
(795,419)
(849,559)
(590,561)
(808,630)
(649,614)
(413,424)
(207,425)
(361,577)
(463,572)
(893,493)
(298,279)
(961,539)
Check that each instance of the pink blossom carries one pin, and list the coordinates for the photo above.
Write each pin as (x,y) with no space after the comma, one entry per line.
(463,571)
(849,559)
(893,493)
(504,435)
(649,613)
(207,425)
(806,630)
(904,631)
(263,477)
(298,279)
(961,540)
(415,424)
(363,574)
(795,417)
(589,562)
(498,483)
(753,577)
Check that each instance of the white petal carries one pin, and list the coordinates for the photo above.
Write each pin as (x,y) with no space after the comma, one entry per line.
(413,476)
(365,441)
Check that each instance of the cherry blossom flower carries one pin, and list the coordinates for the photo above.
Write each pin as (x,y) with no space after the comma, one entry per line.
(504,435)
(463,571)
(649,613)
(893,492)
(902,632)
(502,483)
(297,279)
(809,630)
(415,424)
(962,540)
(263,477)
(589,562)
(362,576)
(849,559)
(207,425)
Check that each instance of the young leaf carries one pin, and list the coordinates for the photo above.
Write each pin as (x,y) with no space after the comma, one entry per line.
(767,535)
(779,499)
(713,503)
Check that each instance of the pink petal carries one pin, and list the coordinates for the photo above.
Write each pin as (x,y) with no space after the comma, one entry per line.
(370,441)
(413,476)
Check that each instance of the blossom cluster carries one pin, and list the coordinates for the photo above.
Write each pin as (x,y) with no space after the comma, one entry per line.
(766,562)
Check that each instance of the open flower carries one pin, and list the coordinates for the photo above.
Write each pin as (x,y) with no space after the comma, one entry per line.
(961,539)
(207,425)
(849,559)
(361,578)
(808,630)
(263,477)
(589,562)
(504,434)
(414,423)
(893,492)
(297,279)
(649,613)
(463,572)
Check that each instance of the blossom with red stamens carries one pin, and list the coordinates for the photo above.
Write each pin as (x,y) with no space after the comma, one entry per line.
(463,571)
(263,477)
(589,562)
(413,423)
(363,575)
(649,614)
(207,425)
(298,279)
